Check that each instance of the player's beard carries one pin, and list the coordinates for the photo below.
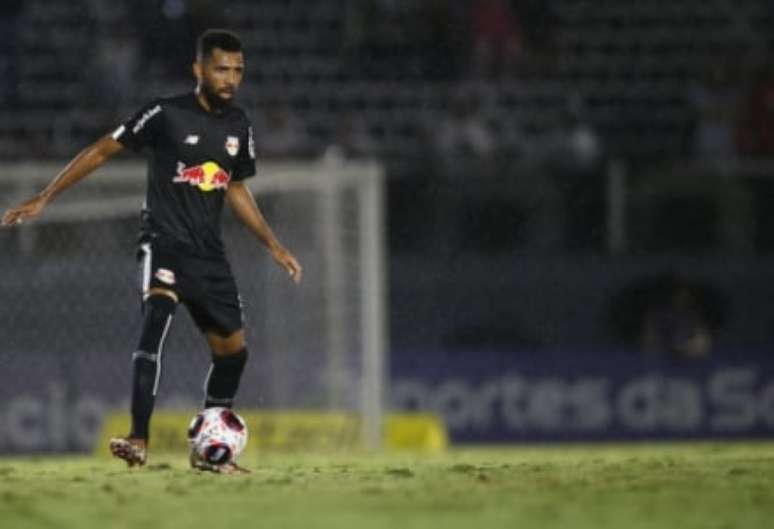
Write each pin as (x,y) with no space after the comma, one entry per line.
(214,100)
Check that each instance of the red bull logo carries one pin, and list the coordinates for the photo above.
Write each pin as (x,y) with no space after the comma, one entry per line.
(207,176)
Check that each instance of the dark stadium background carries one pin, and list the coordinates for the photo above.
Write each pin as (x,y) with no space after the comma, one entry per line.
(578,193)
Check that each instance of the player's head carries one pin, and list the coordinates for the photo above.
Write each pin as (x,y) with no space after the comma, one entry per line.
(219,66)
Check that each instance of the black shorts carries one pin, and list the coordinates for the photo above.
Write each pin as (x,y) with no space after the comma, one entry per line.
(205,286)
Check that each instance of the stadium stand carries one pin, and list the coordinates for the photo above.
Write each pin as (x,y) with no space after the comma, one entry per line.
(631,63)
(631,70)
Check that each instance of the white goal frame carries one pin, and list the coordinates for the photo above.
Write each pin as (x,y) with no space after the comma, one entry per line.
(125,183)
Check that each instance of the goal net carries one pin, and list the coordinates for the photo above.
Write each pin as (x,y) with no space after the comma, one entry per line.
(71,319)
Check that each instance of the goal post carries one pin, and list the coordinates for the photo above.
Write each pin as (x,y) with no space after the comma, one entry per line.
(320,346)
(351,229)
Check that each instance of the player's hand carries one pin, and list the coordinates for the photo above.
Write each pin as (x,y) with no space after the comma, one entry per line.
(289,263)
(27,210)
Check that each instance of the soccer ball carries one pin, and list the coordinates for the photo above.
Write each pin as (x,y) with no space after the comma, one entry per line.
(217,435)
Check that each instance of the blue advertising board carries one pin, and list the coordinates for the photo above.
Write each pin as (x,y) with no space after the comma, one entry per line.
(580,396)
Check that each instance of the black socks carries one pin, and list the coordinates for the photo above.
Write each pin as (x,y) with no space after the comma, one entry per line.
(223,379)
(221,384)
(146,373)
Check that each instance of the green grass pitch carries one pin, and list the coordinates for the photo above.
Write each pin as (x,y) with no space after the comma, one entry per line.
(702,486)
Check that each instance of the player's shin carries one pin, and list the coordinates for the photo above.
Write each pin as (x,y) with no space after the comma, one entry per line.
(223,378)
(147,362)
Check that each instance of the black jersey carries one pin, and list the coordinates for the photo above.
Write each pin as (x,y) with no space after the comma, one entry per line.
(193,155)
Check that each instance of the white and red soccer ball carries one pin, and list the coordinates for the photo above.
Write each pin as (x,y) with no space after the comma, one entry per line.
(217,435)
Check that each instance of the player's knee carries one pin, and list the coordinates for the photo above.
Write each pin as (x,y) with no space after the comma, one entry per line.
(229,350)
(229,345)
(164,292)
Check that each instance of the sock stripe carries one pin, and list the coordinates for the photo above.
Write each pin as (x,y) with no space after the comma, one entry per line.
(160,351)
(137,355)
(146,269)
(213,400)
(207,380)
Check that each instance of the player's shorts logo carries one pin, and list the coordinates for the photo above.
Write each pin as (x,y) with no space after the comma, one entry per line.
(207,176)
(232,145)
(165,276)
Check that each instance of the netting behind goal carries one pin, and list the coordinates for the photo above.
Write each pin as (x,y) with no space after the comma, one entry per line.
(70,312)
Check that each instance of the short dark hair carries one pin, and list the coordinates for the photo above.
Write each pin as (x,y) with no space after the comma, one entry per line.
(217,38)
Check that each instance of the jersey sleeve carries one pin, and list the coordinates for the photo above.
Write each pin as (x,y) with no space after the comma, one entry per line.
(245,163)
(142,129)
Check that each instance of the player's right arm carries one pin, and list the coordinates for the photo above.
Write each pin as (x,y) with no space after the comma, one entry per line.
(79,167)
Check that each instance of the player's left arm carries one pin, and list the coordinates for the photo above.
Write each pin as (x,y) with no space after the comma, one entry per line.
(241,200)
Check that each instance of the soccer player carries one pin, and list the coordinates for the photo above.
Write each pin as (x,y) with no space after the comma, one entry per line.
(200,150)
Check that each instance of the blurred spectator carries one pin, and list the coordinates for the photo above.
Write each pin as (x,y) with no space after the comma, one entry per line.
(352,138)
(464,148)
(463,134)
(715,102)
(573,145)
(117,61)
(498,41)
(111,81)
(669,314)
(280,133)
(756,133)
(573,153)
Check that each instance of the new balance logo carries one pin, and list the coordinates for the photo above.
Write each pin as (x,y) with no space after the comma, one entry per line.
(191,139)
